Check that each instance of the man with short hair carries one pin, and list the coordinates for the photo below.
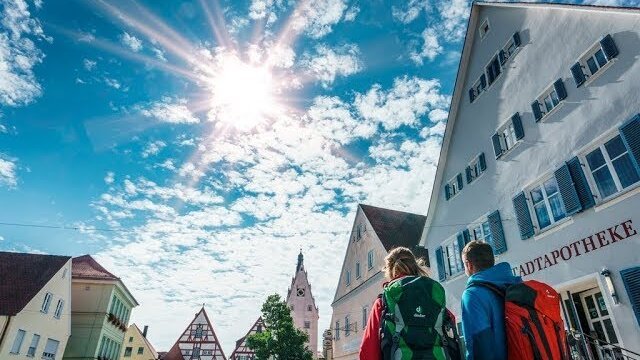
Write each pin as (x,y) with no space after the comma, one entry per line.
(482,308)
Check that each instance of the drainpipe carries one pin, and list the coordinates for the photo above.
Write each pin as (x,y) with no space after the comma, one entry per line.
(4,330)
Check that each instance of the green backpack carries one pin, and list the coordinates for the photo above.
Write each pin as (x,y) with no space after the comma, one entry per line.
(415,322)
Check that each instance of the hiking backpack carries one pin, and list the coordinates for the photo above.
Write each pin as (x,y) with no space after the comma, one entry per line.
(415,324)
(533,325)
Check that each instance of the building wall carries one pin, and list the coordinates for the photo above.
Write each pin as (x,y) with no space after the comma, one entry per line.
(552,41)
(33,321)
(133,339)
(361,292)
(301,312)
(90,323)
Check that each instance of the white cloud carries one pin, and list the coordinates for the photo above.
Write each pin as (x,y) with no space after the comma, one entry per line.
(109,178)
(409,10)
(351,13)
(153,148)
(318,17)
(328,63)
(404,104)
(159,54)
(86,37)
(8,175)
(89,64)
(112,83)
(169,110)
(131,42)
(3,129)
(18,53)
(430,47)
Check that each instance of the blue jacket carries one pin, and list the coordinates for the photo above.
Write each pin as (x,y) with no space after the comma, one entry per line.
(483,314)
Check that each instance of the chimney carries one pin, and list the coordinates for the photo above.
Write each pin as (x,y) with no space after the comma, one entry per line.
(144,332)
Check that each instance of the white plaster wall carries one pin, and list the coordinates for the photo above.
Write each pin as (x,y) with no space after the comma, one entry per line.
(33,321)
(552,41)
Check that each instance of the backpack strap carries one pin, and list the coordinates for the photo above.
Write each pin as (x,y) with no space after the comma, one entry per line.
(384,342)
(487,285)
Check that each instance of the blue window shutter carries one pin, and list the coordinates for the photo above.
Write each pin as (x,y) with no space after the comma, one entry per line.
(466,236)
(517,126)
(460,181)
(461,243)
(609,47)
(503,59)
(495,224)
(447,192)
(582,185)
(483,162)
(468,172)
(440,259)
(567,190)
(497,147)
(516,39)
(471,95)
(578,74)
(631,280)
(630,132)
(483,81)
(560,89)
(537,113)
(523,216)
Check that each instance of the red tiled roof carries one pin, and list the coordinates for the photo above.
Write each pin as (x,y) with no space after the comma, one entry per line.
(23,276)
(395,228)
(85,267)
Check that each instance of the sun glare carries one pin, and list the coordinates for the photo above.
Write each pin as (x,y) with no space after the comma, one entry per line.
(242,94)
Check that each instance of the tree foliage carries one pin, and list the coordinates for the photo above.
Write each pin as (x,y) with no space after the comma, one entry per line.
(280,340)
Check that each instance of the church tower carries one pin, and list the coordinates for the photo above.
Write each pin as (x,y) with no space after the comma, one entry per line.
(303,305)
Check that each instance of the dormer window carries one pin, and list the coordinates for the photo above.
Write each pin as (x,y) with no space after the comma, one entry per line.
(484,29)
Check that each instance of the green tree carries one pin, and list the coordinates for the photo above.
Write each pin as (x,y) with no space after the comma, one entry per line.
(281,340)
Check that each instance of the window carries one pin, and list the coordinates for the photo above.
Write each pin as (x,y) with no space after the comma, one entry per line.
(549,100)
(481,231)
(357,270)
(309,308)
(31,352)
(338,330)
(127,351)
(508,136)
(452,258)
(51,349)
(130,338)
(478,88)
(300,292)
(347,330)
(307,325)
(484,29)
(547,203)
(594,60)
(360,229)
(47,301)
(611,167)
(453,187)
(59,308)
(17,342)
(493,69)
(140,350)
(195,354)
(477,166)
(364,317)
(370,259)
(64,273)
(198,332)
(348,277)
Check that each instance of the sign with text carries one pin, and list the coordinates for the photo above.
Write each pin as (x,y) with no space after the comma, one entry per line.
(577,248)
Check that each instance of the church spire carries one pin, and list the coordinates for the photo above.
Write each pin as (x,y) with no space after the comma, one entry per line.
(300,261)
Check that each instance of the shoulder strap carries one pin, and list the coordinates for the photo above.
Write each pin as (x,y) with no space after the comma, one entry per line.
(494,289)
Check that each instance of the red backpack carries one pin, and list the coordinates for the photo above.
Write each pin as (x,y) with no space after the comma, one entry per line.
(533,326)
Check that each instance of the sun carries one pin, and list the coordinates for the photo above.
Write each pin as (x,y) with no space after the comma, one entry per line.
(242,94)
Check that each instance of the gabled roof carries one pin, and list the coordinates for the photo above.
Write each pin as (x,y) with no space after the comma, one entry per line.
(23,276)
(146,341)
(176,354)
(86,267)
(241,344)
(459,92)
(395,228)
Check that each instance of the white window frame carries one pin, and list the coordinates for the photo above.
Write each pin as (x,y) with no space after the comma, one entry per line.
(586,70)
(481,29)
(599,143)
(509,55)
(453,186)
(46,303)
(452,244)
(477,88)
(46,355)
(370,260)
(532,210)
(480,223)
(59,307)
(358,271)
(33,347)
(548,93)
(18,341)
(494,57)
(476,172)
(507,144)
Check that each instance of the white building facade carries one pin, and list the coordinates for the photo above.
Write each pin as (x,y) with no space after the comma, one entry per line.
(541,159)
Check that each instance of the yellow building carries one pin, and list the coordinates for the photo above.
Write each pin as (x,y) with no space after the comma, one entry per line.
(136,345)
(35,298)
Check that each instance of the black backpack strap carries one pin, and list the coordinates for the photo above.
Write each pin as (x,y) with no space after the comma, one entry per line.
(487,285)
(384,341)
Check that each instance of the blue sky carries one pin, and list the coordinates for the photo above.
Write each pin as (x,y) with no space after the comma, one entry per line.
(218,138)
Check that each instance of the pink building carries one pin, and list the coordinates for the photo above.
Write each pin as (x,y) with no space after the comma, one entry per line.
(303,305)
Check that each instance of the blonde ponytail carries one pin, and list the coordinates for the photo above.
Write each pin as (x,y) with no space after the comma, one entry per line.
(401,262)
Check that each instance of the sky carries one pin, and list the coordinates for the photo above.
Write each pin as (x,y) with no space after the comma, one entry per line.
(194,147)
